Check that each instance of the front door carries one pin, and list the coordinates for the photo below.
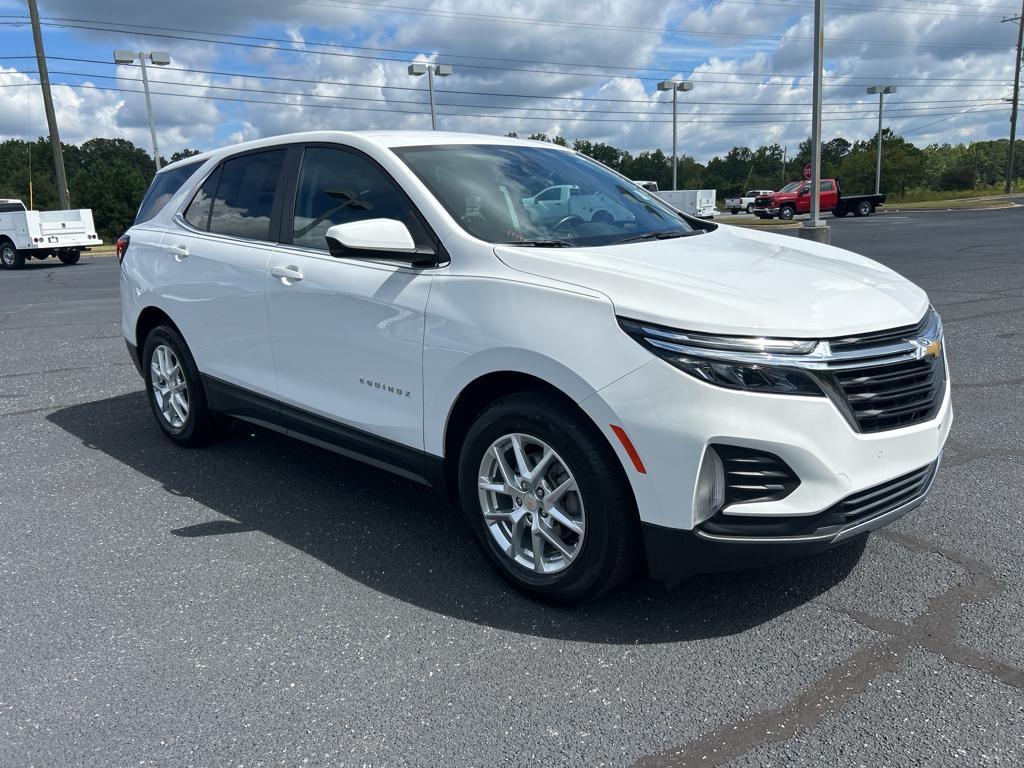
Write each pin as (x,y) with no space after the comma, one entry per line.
(347,334)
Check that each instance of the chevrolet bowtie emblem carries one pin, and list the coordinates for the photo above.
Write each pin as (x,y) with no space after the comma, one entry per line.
(928,347)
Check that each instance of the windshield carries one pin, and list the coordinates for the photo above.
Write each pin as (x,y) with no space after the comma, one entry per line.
(793,186)
(521,194)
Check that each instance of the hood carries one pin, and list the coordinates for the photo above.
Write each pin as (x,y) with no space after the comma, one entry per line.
(735,281)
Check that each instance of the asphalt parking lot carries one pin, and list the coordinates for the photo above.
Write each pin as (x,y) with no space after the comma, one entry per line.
(263,602)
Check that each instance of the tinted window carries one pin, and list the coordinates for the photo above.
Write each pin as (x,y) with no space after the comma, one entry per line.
(826,186)
(245,195)
(336,187)
(11,207)
(198,212)
(164,185)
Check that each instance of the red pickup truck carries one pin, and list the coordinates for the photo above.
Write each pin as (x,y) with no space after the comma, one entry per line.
(795,198)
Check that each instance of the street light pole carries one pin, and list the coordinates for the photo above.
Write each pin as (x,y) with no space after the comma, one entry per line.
(441,70)
(160,59)
(881,90)
(1016,99)
(675,86)
(815,229)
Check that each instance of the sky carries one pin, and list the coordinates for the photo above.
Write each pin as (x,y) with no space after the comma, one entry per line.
(243,69)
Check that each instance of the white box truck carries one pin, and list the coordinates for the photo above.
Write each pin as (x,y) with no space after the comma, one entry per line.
(26,234)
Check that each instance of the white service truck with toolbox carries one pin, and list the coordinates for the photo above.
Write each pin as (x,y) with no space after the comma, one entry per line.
(26,234)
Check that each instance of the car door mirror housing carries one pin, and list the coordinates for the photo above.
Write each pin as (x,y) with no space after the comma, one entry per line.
(370,237)
(383,239)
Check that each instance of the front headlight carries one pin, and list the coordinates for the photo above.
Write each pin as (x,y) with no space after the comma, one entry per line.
(736,362)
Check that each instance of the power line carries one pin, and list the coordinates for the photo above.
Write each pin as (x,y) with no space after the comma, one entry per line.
(866,107)
(450,114)
(940,82)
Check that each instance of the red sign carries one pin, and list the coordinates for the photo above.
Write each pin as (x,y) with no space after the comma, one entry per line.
(807,171)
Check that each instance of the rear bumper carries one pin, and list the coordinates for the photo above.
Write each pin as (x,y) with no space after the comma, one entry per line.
(674,554)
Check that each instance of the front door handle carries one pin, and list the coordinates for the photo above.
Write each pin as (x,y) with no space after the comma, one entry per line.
(288,275)
(178,252)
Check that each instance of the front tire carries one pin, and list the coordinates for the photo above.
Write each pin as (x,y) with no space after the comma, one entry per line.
(175,389)
(787,212)
(548,499)
(9,256)
(69,258)
(750,207)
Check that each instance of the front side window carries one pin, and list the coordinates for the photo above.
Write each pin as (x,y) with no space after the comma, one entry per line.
(244,199)
(162,189)
(515,194)
(337,186)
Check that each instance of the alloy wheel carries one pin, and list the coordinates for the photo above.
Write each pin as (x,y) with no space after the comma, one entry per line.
(531,503)
(170,390)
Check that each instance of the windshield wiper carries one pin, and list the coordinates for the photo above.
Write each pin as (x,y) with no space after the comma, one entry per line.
(541,243)
(656,235)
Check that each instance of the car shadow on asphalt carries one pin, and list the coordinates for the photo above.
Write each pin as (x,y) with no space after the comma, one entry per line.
(399,538)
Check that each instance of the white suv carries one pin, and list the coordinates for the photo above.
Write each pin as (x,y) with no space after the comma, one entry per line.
(594,394)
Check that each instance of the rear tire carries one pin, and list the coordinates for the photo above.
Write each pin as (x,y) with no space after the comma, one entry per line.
(863,209)
(9,256)
(69,258)
(594,522)
(175,389)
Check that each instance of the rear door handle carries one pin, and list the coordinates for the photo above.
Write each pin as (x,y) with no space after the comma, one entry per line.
(288,275)
(178,252)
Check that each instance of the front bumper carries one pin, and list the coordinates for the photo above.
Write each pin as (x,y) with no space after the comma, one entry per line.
(766,211)
(672,419)
(673,555)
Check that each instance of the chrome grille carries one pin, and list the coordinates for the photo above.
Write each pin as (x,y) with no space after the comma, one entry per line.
(897,391)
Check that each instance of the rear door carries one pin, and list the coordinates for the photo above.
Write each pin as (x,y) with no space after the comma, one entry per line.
(347,334)
(829,195)
(214,269)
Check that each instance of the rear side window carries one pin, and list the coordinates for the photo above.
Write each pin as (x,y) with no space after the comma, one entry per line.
(198,212)
(164,185)
(245,195)
(11,207)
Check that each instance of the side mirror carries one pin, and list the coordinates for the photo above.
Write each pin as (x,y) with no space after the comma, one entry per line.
(386,239)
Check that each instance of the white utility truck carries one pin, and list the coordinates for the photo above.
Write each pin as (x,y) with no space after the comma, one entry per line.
(567,201)
(26,234)
(696,202)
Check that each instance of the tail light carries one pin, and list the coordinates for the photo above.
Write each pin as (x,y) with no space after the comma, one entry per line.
(122,247)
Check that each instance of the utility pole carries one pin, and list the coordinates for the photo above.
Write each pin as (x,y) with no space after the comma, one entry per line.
(51,117)
(1016,98)
(816,229)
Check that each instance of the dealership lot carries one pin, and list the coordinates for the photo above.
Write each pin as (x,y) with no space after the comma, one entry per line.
(265,602)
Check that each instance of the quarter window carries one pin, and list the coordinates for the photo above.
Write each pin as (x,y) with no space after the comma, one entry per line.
(336,186)
(164,185)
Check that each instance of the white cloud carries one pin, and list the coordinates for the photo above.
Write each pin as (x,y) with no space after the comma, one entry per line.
(729,69)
